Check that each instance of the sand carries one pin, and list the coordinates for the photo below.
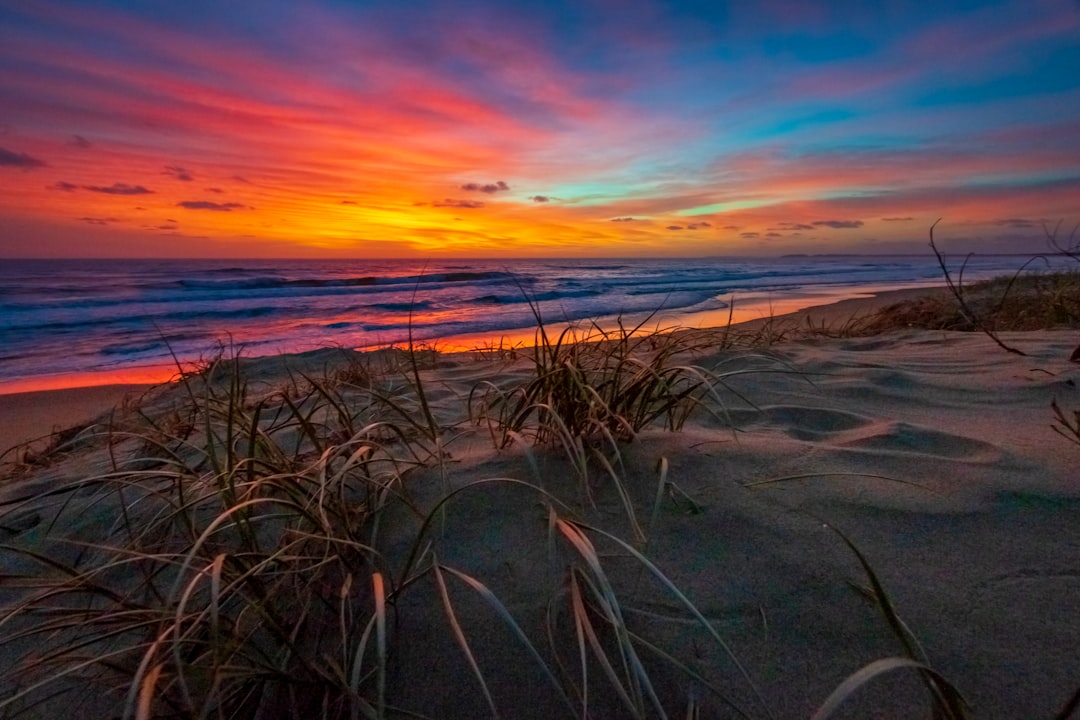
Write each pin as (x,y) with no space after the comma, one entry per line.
(31,416)
(931,451)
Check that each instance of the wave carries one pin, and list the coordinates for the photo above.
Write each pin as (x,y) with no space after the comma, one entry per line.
(591,268)
(134,348)
(267,282)
(418,306)
(141,323)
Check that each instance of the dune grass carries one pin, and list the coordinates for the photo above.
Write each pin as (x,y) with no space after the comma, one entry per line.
(1032,301)
(230,555)
(233,567)
(227,560)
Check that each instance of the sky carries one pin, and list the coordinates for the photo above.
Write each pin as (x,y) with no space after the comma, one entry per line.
(477,128)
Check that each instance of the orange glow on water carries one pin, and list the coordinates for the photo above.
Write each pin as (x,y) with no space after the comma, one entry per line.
(152,375)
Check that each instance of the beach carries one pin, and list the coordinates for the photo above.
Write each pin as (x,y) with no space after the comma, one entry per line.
(29,416)
(928,455)
(537,361)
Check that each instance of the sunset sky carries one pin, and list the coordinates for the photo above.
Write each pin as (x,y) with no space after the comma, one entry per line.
(255,128)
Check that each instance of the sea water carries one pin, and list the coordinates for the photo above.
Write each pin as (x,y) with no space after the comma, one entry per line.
(107,318)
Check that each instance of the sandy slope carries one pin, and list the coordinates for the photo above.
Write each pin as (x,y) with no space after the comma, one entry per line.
(975,535)
(933,452)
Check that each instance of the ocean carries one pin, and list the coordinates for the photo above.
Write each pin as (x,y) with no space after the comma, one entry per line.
(67,322)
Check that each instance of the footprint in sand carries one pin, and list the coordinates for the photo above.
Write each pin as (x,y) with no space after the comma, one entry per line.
(800,422)
(913,439)
(814,423)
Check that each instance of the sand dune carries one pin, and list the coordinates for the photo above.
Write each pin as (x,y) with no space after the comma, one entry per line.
(933,452)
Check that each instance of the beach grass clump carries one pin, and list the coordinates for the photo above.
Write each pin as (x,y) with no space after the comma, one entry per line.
(598,384)
(228,569)
(591,390)
(1032,301)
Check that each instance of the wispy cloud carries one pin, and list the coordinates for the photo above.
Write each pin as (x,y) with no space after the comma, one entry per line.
(119,189)
(1017,223)
(489,188)
(80,142)
(463,204)
(839,224)
(207,205)
(10,158)
(178,172)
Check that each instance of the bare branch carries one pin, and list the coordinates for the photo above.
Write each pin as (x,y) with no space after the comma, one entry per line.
(957,289)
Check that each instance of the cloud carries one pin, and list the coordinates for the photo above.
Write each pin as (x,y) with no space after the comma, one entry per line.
(795,226)
(97,221)
(674,227)
(898,219)
(1016,223)
(119,189)
(464,204)
(624,219)
(774,234)
(540,198)
(241,178)
(749,235)
(839,224)
(207,205)
(64,186)
(697,225)
(178,172)
(348,202)
(166,227)
(81,142)
(215,190)
(21,160)
(490,188)
(731,227)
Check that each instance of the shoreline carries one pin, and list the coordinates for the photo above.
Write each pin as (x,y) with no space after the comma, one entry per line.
(30,410)
(749,309)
